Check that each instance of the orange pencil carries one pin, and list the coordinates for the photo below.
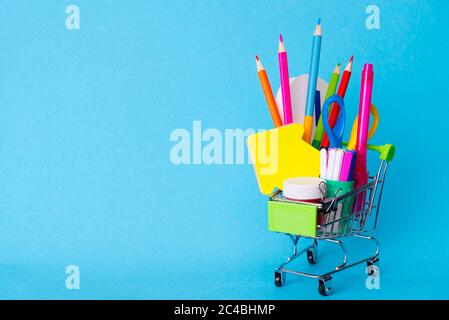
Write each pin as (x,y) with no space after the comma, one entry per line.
(266,87)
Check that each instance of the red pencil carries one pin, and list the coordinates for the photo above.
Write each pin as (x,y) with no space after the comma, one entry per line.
(335,109)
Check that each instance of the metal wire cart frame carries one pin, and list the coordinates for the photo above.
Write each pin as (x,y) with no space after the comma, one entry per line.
(328,222)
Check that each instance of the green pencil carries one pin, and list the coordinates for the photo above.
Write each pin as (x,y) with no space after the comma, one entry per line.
(331,88)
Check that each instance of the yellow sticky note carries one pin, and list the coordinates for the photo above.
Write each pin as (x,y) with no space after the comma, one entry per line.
(281,153)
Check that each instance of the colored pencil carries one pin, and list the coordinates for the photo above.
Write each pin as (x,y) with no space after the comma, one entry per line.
(266,87)
(285,82)
(331,88)
(335,109)
(313,77)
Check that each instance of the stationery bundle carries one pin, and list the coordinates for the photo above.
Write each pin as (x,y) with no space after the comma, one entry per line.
(328,128)
(318,186)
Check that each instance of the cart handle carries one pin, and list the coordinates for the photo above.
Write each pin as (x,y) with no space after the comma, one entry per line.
(386,151)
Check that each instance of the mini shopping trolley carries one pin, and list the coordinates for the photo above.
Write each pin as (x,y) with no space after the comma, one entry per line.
(346,213)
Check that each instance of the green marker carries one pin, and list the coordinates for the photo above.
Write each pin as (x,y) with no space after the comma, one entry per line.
(332,87)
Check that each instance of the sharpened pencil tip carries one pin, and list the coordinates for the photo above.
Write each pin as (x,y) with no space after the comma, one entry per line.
(349,65)
(257,58)
(281,39)
(319,21)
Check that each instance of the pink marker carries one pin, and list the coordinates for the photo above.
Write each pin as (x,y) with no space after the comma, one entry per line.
(361,171)
(285,82)
(346,166)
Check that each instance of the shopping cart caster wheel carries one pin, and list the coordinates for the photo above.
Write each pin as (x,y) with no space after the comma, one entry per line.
(279,278)
(312,255)
(324,286)
(372,266)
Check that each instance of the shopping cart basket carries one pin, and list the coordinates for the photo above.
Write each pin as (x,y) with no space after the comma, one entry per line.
(327,221)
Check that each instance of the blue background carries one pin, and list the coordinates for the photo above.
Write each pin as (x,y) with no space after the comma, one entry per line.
(85,121)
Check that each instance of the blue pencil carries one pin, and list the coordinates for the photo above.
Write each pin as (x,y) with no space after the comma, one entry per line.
(313,77)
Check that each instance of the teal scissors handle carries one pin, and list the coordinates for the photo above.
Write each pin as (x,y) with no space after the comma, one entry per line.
(335,134)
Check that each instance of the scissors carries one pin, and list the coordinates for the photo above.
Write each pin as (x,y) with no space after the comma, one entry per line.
(336,134)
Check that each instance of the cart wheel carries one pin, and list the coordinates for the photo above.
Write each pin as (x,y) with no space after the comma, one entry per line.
(279,278)
(312,255)
(370,270)
(324,286)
